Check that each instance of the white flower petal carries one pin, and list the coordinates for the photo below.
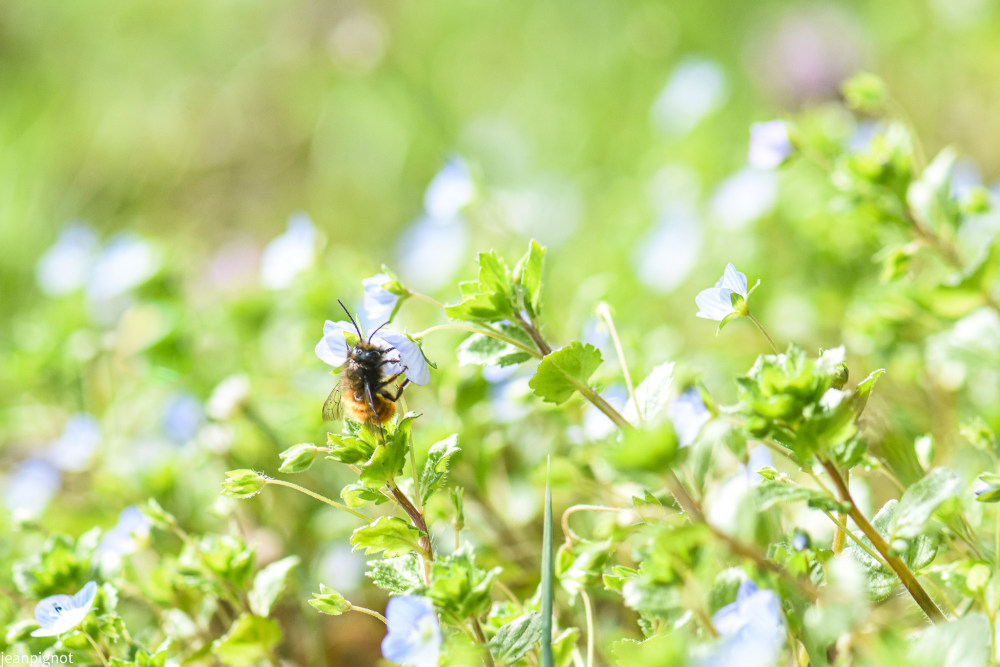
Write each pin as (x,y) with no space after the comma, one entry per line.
(733,280)
(379,302)
(410,356)
(332,348)
(714,303)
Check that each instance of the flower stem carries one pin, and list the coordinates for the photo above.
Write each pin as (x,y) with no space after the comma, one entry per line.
(589,611)
(568,532)
(97,649)
(604,312)
(477,629)
(370,612)
(761,328)
(332,503)
(417,517)
(895,562)
(492,333)
(428,299)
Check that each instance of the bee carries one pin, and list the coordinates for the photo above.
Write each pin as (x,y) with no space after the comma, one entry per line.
(364,391)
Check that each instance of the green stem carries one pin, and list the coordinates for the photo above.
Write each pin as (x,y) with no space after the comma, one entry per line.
(492,333)
(589,611)
(604,312)
(324,499)
(895,562)
(97,649)
(761,328)
(428,299)
(477,629)
(370,612)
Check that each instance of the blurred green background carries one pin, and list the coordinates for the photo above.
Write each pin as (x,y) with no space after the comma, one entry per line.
(614,132)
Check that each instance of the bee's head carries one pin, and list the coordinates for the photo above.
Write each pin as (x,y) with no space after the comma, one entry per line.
(368,357)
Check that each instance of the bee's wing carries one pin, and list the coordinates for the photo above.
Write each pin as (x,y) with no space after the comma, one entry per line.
(332,409)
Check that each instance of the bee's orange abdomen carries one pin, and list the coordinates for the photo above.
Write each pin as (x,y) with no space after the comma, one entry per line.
(359,410)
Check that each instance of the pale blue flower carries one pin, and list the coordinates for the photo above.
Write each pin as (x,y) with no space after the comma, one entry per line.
(379,302)
(770,144)
(64,267)
(715,303)
(30,486)
(696,88)
(669,251)
(751,630)
(688,414)
(126,262)
(800,540)
(122,540)
(431,250)
(73,450)
(405,354)
(61,613)
(744,197)
(289,254)
(183,416)
(450,191)
(414,636)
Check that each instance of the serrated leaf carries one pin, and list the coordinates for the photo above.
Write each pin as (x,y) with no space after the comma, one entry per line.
(268,585)
(436,468)
(653,394)
(357,494)
(399,576)
(921,499)
(565,371)
(494,276)
(513,640)
(528,276)
(389,534)
(483,350)
(348,449)
(769,494)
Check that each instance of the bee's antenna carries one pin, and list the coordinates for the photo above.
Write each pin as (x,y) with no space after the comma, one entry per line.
(351,317)
(376,331)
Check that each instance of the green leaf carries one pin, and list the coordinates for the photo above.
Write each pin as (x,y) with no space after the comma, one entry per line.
(399,576)
(991,492)
(565,371)
(929,196)
(389,534)
(249,640)
(243,483)
(268,585)
(436,467)
(880,580)
(528,276)
(485,350)
(864,390)
(298,458)
(329,601)
(865,92)
(388,459)
(964,642)
(653,394)
(770,494)
(649,450)
(920,501)
(357,494)
(348,449)
(459,586)
(513,640)
(494,276)
(548,574)
(481,308)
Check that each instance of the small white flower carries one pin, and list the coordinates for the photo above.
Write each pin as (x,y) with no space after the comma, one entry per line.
(414,636)
(64,267)
(228,397)
(61,613)
(332,349)
(716,303)
(451,190)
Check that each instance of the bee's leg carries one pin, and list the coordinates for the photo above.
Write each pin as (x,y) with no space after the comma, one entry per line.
(385,393)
